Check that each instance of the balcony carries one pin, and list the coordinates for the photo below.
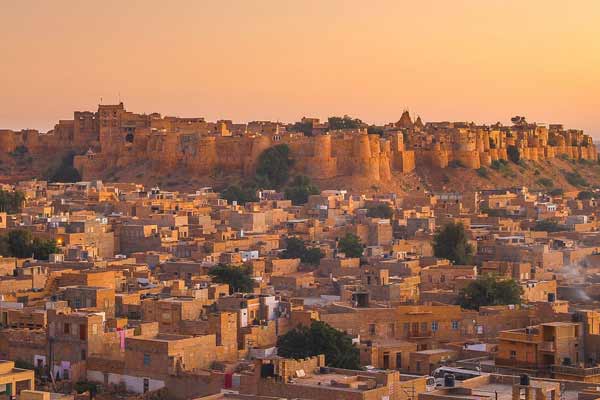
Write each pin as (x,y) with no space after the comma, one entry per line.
(547,347)
(420,334)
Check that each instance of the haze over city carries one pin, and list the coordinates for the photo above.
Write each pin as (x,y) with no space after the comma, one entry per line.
(299,200)
(281,60)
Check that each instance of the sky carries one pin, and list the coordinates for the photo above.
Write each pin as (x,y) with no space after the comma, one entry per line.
(482,61)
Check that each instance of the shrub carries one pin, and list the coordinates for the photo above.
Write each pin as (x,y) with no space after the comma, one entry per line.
(456,164)
(380,211)
(514,154)
(483,172)
(545,182)
(575,179)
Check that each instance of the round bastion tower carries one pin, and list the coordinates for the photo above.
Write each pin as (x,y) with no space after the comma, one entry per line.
(322,163)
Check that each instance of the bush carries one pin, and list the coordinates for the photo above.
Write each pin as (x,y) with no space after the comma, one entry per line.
(499,165)
(564,157)
(380,211)
(483,172)
(585,195)
(547,225)
(456,164)
(557,192)
(545,182)
(19,151)
(575,179)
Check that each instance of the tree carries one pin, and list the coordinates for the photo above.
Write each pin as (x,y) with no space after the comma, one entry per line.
(299,190)
(452,243)
(242,195)
(513,153)
(320,338)
(351,246)
(66,172)
(296,248)
(305,127)
(547,225)
(375,130)
(273,167)
(344,122)
(43,248)
(382,210)
(585,195)
(21,244)
(489,291)
(11,202)
(238,278)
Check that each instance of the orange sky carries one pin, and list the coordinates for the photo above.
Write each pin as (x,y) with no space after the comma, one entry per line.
(478,60)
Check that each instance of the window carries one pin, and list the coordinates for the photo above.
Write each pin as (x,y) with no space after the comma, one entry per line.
(371,329)
(83,354)
(146,359)
(513,354)
(406,328)
(146,385)
(455,325)
(66,329)
(434,326)
(77,303)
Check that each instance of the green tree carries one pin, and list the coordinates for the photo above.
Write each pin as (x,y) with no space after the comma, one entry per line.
(296,248)
(351,246)
(375,130)
(43,248)
(273,168)
(585,195)
(304,127)
(382,210)
(344,122)
(65,171)
(242,195)
(20,243)
(489,291)
(11,202)
(238,278)
(513,153)
(299,190)
(452,243)
(547,225)
(320,338)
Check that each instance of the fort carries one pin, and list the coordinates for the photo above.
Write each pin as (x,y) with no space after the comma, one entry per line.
(115,137)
